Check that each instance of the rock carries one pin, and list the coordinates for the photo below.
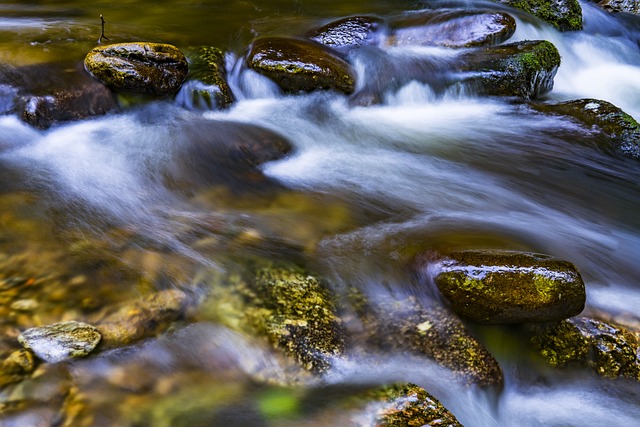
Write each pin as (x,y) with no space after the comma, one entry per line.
(139,67)
(348,33)
(16,366)
(141,318)
(510,287)
(410,405)
(206,66)
(622,131)
(608,350)
(61,341)
(300,65)
(456,28)
(629,6)
(48,94)
(434,332)
(525,69)
(565,15)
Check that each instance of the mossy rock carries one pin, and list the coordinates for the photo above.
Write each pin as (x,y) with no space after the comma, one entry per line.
(456,28)
(405,405)
(433,332)
(628,6)
(207,66)
(61,341)
(348,32)
(565,15)
(622,130)
(300,65)
(139,67)
(523,69)
(608,350)
(510,287)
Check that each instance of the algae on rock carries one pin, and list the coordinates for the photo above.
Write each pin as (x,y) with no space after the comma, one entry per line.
(565,15)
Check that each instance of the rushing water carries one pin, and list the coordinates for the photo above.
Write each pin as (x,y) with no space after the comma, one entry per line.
(365,189)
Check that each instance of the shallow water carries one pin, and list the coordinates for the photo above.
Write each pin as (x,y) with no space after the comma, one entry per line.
(364,191)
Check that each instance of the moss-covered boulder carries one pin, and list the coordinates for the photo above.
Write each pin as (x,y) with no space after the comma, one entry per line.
(628,6)
(456,28)
(434,332)
(621,130)
(565,15)
(139,67)
(524,69)
(207,67)
(406,405)
(510,287)
(609,350)
(61,341)
(300,65)
(348,32)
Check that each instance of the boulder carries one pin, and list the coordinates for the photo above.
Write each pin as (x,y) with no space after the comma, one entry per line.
(300,65)
(609,350)
(348,33)
(61,341)
(524,69)
(629,6)
(434,332)
(621,130)
(457,28)
(510,287)
(565,15)
(139,67)
(16,366)
(206,66)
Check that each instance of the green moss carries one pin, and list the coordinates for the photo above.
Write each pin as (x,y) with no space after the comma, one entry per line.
(565,15)
(207,64)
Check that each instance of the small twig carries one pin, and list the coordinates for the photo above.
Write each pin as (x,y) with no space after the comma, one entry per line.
(102,36)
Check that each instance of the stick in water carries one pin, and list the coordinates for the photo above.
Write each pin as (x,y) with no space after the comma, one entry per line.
(102,36)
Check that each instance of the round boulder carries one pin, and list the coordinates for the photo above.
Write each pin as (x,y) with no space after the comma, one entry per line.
(140,67)
(348,32)
(300,65)
(510,287)
(454,29)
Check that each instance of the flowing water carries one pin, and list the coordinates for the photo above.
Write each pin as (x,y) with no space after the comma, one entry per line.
(365,189)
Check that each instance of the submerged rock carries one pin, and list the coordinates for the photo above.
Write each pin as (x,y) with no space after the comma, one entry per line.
(607,349)
(61,341)
(525,69)
(16,366)
(565,15)
(206,66)
(300,65)
(454,29)
(510,287)
(139,67)
(622,130)
(348,33)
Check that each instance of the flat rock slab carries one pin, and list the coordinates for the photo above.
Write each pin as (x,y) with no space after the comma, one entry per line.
(510,287)
(140,67)
(61,341)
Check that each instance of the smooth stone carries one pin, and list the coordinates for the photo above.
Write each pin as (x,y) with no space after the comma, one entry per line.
(453,29)
(139,67)
(622,130)
(59,342)
(565,15)
(510,287)
(348,32)
(300,65)
(524,69)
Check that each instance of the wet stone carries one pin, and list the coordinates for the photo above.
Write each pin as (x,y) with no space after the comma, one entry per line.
(208,79)
(453,29)
(510,287)
(629,6)
(139,67)
(565,15)
(348,33)
(61,341)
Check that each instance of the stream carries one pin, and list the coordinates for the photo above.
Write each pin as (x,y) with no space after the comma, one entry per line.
(87,205)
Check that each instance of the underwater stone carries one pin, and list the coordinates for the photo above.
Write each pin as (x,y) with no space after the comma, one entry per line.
(139,67)
(348,32)
(524,69)
(453,29)
(510,287)
(565,15)
(629,6)
(61,341)
(622,130)
(611,351)
(300,65)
